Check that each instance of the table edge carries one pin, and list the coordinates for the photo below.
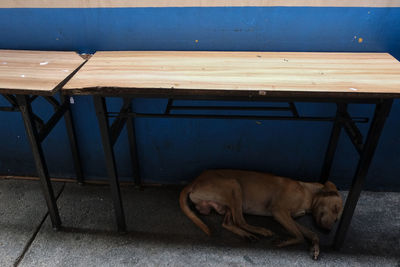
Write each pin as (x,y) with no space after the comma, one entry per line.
(220,93)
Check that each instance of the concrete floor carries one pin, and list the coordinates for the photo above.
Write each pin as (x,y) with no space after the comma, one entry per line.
(159,234)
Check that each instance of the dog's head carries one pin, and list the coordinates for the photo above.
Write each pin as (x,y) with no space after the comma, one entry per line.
(327,206)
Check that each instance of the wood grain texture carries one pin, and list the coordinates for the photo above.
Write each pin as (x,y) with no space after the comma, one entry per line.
(35,72)
(262,73)
(193,3)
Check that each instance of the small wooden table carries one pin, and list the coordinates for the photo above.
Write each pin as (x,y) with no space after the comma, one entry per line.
(340,78)
(25,75)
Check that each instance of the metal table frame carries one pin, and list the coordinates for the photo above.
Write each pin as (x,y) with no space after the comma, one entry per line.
(37,130)
(342,119)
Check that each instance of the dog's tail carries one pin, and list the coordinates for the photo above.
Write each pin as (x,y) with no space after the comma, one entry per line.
(185,208)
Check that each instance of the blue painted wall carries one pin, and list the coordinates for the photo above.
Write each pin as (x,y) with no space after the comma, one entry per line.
(174,151)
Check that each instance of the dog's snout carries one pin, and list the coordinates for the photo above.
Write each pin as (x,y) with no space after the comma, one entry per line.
(329,226)
(326,224)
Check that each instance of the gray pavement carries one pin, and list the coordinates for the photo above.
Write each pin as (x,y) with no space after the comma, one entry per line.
(160,235)
(22,209)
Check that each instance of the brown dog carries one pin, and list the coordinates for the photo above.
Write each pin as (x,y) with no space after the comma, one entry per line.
(234,192)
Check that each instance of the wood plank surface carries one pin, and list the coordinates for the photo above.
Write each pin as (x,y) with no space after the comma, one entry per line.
(194,3)
(263,73)
(35,72)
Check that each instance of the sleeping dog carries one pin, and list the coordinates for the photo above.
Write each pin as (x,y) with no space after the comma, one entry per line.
(234,192)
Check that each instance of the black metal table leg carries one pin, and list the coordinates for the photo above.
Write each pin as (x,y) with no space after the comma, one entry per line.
(381,112)
(101,112)
(32,134)
(333,141)
(72,140)
(130,127)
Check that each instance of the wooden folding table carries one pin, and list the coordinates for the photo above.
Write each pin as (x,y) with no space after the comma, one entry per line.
(340,78)
(26,75)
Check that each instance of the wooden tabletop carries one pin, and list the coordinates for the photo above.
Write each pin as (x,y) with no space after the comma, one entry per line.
(35,72)
(238,74)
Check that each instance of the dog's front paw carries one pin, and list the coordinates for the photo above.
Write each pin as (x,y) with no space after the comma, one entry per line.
(315,251)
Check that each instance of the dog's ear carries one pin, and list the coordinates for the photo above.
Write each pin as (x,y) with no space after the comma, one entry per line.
(329,187)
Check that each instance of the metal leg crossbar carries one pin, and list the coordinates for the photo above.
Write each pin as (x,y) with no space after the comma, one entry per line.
(291,108)
(37,130)
(342,119)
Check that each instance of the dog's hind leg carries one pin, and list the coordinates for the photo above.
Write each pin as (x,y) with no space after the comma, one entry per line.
(254,229)
(229,225)
(237,214)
